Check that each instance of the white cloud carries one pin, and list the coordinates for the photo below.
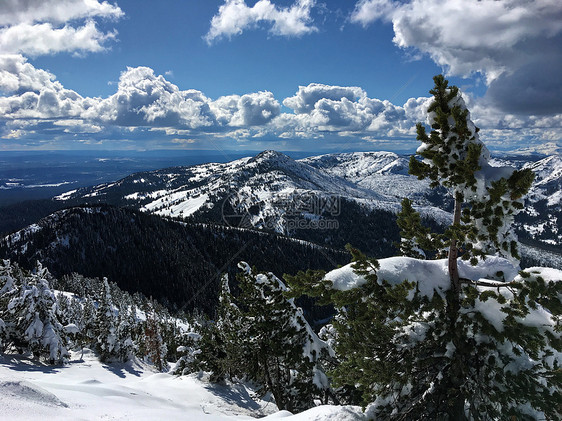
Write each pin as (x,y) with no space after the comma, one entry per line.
(368,11)
(234,16)
(35,92)
(144,99)
(39,27)
(515,44)
(253,109)
(13,12)
(17,75)
(35,103)
(343,108)
(307,97)
(42,39)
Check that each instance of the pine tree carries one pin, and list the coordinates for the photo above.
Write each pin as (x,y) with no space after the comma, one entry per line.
(479,349)
(415,238)
(87,324)
(105,330)
(8,288)
(35,324)
(126,330)
(486,198)
(156,350)
(280,350)
(262,337)
(222,341)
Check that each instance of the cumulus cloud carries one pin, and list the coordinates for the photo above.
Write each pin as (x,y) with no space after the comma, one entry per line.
(142,99)
(34,93)
(39,27)
(368,11)
(35,102)
(308,96)
(13,12)
(253,109)
(235,16)
(339,108)
(41,39)
(507,41)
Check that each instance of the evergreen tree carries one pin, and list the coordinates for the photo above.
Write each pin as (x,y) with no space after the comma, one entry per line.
(477,349)
(126,331)
(262,337)
(70,313)
(87,324)
(156,350)
(221,344)
(415,238)
(280,351)
(7,289)
(486,198)
(35,324)
(105,330)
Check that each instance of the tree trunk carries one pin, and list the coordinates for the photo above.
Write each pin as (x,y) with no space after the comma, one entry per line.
(456,374)
(453,250)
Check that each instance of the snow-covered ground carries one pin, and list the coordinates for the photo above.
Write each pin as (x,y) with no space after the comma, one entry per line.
(89,390)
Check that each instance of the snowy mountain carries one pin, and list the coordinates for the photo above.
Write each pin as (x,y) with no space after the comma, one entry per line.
(330,200)
(266,190)
(271,190)
(542,218)
(384,173)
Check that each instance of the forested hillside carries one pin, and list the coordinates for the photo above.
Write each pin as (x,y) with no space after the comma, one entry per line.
(179,264)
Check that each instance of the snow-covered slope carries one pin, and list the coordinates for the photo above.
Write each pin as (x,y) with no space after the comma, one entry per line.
(548,180)
(263,190)
(385,173)
(89,390)
(264,187)
(542,217)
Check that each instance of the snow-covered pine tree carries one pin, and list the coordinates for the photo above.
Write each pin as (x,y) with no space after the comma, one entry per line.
(415,238)
(190,348)
(486,198)
(69,311)
(172,335)
(280,351)
(35,325)
(8,288)
(430,344)
(7,276)
(222,340)
(126,322)
(106,343)
(87,324)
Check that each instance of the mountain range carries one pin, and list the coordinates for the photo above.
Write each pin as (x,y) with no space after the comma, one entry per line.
(269,190)
(188,224)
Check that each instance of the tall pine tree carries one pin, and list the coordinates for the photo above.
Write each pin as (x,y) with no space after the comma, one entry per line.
(473,349)
(106,341)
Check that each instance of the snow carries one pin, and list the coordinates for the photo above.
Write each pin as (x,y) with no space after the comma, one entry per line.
(431,275)
(322,413)
(66,195)
(89,390)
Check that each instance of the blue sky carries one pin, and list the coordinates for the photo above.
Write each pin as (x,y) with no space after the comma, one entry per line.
(283,74)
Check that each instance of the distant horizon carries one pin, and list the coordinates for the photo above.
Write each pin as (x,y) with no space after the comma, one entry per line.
(550,148)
